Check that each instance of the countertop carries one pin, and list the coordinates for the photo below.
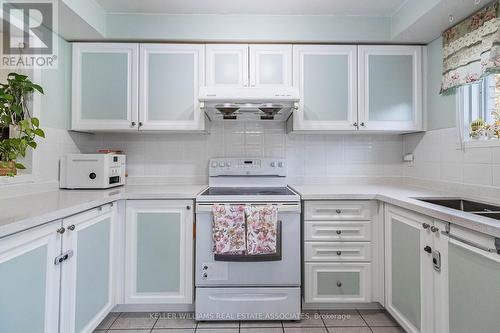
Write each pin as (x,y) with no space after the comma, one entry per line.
(23,212)
(402,196)
(27,211)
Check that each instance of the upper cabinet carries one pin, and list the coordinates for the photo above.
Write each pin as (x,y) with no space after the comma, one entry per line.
(243,65)
(227,65)
(390,88)
(270,65)
(105,77)
(108,80)
(170,77)
(326,78)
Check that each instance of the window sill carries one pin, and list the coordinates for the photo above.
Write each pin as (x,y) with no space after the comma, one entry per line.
(482,143)
(19,179)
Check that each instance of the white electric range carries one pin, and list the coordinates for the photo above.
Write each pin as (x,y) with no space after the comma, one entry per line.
(248,288)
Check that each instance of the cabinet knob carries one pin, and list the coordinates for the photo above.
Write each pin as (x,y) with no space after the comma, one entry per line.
(338,211)
(339,284)
(339,253)
(434,229)
(428,249)
(355,124)
(425,225)
(188,207)
(339,232)
(61,230)
(362,124)
(132,123)
(140,123)
(71,227)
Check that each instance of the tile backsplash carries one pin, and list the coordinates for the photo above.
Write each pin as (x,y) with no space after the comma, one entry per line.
(438,158)
(310,157)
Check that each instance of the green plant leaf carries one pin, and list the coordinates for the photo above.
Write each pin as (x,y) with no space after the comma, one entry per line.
(32,144)
(35,121)
(40,133)
(20,166)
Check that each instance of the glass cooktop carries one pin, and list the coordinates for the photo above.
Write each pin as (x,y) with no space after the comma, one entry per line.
(248,191)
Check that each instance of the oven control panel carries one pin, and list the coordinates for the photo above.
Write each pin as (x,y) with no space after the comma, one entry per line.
(247,167)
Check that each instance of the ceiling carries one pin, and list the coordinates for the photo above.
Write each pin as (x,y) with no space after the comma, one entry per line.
(262,7)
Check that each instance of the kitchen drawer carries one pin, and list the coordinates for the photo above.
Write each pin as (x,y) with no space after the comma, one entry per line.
(337,210)
(337,282)
(337,231)
(334,251)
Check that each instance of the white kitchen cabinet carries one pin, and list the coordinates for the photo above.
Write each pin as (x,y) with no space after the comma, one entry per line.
(337,282)
(88,277)
(326,76)
(390,88)
(159,252)
(171,75)
(105,86)
(270,65)
(408,275)
(29,280)
(468,294)
(244,65)
(227,65)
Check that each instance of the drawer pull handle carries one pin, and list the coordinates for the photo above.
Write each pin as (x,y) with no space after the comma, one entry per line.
(339,253)
(338,211)
(339,232)
(339,284)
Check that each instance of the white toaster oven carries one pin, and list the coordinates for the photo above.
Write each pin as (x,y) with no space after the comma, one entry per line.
(92,171)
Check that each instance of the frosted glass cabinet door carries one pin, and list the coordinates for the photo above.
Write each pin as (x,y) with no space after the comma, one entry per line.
(227,65)
(104,92)
(159,248)
(474,289)
(29,281)
(171,75)
(270,65)
(390,92)
(87,278)
(408,272)
(326,78)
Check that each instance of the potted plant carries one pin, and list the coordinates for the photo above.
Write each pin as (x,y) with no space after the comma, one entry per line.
(15,114)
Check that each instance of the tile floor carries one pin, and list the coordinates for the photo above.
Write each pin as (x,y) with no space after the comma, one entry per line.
(341,321)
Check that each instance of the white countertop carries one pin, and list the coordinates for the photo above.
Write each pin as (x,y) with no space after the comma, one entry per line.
(23,212)
(402,196)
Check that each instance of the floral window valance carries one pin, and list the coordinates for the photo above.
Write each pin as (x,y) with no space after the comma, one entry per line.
(471,49)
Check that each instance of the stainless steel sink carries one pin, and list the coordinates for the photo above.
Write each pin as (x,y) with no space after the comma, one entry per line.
(474,207)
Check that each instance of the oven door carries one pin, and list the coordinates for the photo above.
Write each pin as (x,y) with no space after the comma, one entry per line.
(279,271)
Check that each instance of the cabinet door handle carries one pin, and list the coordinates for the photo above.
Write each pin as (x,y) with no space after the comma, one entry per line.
(428,249)
(362,124)
(339,284)
(339,253)
(355,124)
(338,211)
(61,230)
(188,207)
(426,225)
(339,232)
(133,124)
(434,229)
(71,227)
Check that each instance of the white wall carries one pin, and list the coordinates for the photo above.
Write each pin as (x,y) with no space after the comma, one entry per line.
(184,157)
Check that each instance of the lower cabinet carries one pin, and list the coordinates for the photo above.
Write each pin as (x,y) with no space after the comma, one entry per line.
(29,281)
(159,252)
(337,282)
(88,278)
(471,288)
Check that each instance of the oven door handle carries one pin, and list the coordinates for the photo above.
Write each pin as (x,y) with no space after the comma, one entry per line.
(282,208)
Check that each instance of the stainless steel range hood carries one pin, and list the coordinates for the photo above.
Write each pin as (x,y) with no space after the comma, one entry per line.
(248,103)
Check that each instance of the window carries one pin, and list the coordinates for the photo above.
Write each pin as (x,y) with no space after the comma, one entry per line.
(481,109)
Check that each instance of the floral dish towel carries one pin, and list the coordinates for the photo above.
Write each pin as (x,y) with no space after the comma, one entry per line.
(262,227)
(228,230)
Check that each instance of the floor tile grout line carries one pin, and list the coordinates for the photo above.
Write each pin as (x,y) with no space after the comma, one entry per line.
(369,327)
